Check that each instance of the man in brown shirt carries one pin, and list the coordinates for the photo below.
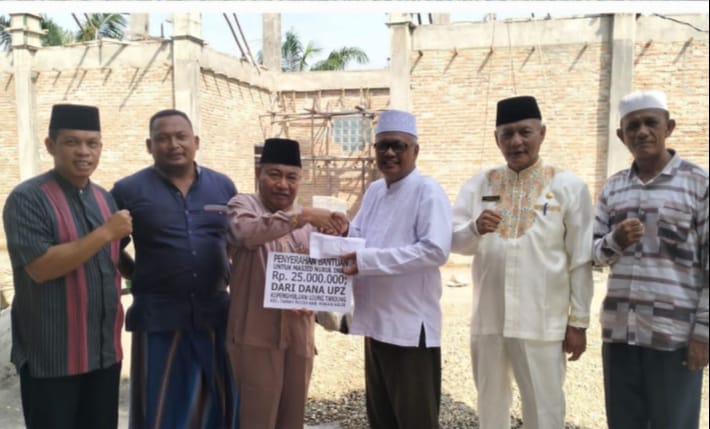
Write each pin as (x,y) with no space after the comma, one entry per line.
(271,350)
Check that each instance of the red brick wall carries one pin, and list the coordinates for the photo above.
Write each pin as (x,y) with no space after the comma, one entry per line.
(8,136)
(681,70)
(229,112)
(10,173)
(126,98)
(454,98)
(457,98)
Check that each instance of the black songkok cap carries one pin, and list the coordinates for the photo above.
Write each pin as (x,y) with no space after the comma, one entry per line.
(516,109)
(281,151)
(75,117)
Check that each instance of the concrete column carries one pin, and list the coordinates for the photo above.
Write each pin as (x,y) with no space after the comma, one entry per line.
(440,18)
(620,84)
(400,48)
(271,40)
(138,26)
(25,31)
(187,49)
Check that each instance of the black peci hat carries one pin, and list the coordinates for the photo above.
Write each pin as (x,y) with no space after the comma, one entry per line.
(281,151)
(75,117)
(516,109)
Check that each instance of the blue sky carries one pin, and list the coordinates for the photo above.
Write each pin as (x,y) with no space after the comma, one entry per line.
(335,24)
(328,31)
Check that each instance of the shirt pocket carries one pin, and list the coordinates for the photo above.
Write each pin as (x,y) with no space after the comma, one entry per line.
(549,217)
(675,222)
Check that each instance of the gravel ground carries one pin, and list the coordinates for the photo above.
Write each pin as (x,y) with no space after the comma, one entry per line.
(337,387)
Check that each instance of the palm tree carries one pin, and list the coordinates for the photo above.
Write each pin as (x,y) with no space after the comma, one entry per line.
(5,38)
(53,36)
(293,56)
(339,59)
(99,25)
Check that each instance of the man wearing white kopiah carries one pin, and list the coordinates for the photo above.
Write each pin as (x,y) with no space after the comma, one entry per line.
(405,219)
(651,228)
(529,226)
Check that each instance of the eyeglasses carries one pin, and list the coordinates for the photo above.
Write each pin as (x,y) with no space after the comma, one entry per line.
(396,146)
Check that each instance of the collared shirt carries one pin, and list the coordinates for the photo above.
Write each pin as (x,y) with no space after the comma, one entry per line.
(407,229)
(533,276)
(181,270)
(72,324)
(657,293)
(255,231)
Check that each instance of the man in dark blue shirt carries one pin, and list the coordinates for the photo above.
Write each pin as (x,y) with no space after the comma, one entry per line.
(179,282)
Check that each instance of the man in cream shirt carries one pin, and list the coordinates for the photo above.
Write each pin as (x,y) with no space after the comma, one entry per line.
(529,227)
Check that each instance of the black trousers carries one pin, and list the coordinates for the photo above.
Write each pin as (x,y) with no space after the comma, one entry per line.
(86,401)
(403,385)
(650,389)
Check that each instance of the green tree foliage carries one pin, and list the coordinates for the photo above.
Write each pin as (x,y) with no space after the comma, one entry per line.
(5,39)
(99,25)
(294,57)
(54,35)
(339,59)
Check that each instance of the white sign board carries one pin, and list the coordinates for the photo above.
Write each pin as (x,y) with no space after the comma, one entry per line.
(297,281)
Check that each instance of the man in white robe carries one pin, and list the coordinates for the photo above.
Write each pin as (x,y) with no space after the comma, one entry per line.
(405,218)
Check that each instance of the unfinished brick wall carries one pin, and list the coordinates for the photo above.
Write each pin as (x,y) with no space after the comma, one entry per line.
(453,93)
(681,70)
(8,136)
(457,97)
(455,100)
(125,104)
(229,111)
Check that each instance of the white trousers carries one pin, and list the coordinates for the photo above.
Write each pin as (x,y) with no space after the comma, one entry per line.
(539,370)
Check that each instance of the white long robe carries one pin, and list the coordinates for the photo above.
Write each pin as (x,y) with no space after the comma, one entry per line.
(407,228)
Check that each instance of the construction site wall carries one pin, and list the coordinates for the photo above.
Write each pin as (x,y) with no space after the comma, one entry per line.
(458,72)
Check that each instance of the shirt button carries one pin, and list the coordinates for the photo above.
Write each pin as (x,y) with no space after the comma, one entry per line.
(187,212)
(194,253)
(194,275)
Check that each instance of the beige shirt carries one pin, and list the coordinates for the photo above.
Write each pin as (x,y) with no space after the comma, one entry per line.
(532,276)
(254,232)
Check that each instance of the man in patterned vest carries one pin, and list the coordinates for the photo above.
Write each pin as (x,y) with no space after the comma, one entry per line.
(529,226)
(63,235)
